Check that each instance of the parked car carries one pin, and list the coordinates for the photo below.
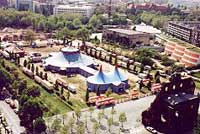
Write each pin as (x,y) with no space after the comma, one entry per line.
(16,110)
(35,57)
(152,130)
(8,100)
(72,88)
(142,75)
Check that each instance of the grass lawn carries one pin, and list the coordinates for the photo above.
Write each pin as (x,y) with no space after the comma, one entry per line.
(51,101)
(197,85)
(196,74)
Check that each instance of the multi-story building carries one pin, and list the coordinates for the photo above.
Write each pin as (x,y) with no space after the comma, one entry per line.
(188,31)
(128,38)
(44,7)
(24,5)
(84,10)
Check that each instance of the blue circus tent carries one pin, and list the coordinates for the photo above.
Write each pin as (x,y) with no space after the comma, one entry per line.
(69,60)
(116,80)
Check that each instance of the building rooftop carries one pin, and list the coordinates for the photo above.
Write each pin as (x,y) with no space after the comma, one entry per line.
(188,24)
(74,6)
(176,99)
(125,31)
(147,29)
(68,58)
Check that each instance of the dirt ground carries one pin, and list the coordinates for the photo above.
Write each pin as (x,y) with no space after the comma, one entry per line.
(79,81)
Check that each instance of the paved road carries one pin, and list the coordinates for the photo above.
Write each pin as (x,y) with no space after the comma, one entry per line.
(12,119)
(133,110)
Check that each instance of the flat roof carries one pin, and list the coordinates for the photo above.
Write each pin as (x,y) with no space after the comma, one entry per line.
(75,6)
(125,31)
(147,29)
(176,99)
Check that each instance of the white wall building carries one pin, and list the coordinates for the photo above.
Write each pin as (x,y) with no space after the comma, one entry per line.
(84,10)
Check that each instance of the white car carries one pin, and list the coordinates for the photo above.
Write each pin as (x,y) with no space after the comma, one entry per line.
(8,100)
(152,130)
(16,110)
(72,88)
(142,75)
(35,57)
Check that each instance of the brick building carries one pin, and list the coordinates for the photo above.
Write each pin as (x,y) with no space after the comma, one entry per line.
(149,7)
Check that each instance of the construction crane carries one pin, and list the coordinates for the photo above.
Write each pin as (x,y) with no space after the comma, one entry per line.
(110,9)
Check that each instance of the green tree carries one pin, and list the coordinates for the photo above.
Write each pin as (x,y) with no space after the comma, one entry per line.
(196,129)
(87,95)
(64,117)
(68,95)
(83,33)
(95,22)
(80,129)
(77,23)
(65,129)
(22,86)
(5,78)
(113,111)
(23,98)
(45,76)
(3,63)
(33,68)
(58,35)
(29,36)
(39,125)
(25,63)
(37,71)
(31,110)
(108,92)
(41,25)
(71,124)
(33,91)
(56,125)
(29,66)
(41,74)
(95,127)
(91,109)
(62,91)
(100,116)
(78,114)
(66,34)
(60,24)
(16,74)
(110,123)
(122,119)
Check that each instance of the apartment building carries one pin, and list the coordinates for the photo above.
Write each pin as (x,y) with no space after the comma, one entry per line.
(84,10)
(24,5)
(44,7)
(188,31)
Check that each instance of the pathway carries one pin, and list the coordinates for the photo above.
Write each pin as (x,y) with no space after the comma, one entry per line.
(12,118)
